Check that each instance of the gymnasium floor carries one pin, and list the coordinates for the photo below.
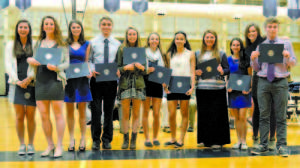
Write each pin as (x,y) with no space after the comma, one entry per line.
(157,157)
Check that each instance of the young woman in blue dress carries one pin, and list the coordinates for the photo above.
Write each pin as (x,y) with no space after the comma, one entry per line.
(239,102)
(77,89)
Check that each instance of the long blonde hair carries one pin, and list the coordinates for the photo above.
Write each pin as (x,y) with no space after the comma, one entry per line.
(138,40)
(215,52)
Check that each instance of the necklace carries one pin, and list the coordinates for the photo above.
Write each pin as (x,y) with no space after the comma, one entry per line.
(48,43)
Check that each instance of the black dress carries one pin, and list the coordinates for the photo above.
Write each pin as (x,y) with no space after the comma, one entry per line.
(24,96)
(47,86)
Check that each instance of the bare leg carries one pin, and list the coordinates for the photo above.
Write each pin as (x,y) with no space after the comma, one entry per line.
(156,104)
(44,108)
(184,108)
(243,124)
(125,114)
(20,116)
(70,122)
(30,116)
(172,118)
(146,105)
(82,117)
(60,125)
(235,113)
(135,114)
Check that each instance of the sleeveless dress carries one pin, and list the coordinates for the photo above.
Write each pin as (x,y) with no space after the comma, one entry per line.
(237,99)
(77,89)
(47,86)
(24,96)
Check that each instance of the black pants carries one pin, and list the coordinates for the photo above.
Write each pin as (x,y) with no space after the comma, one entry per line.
(104,95)
(256,113)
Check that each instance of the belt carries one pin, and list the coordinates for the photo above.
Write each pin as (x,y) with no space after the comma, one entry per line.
(275,79)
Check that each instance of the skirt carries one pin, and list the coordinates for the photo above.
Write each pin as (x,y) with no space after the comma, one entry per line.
(78,90)
(153,89)
(239,100)
(131,92)
(213,125)
(178,96)
(24,96)
(47,86)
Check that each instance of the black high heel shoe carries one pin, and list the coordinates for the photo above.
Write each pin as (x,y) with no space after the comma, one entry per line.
(71,148)
(81,148)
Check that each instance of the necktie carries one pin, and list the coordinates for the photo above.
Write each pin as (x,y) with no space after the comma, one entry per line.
(106,51)
(271,68)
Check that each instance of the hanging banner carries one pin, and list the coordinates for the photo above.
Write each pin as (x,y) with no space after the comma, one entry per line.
(111,5)
(294,9)
(270,8)
(4,4)
(140,6)
(23,4)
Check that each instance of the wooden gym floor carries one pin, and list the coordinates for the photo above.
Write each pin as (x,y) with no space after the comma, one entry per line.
(157,157)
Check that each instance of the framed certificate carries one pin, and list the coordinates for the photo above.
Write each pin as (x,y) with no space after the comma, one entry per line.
(239,82)
(160,75)
(271,53)
(108,72)
(77,70)
(209,68)
(179,84)
(49,56)
(134,54)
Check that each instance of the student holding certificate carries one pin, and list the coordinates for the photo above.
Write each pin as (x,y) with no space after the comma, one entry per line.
(213,126)
(253,39)
(273,86)
(131,87)
(50,82)
(182,61)
(23,97)
(77,89)
(104,49)
(239,102)
(154,91)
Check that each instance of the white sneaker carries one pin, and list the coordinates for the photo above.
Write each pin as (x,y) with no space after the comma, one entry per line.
(200,145)
(216,146)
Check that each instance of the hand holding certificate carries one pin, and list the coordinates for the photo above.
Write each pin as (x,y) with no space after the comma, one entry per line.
(239,82)
(180,84)
(134,55)
(47,56)
(271,53)
(77,70)
(108,72)
(160,75)
(208,69)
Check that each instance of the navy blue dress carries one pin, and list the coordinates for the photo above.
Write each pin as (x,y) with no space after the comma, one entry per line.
(77,89)
(236,98)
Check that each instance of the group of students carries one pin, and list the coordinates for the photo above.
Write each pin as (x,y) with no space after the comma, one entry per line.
(51,87)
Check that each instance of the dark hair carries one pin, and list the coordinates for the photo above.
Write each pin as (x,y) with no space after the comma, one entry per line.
(215,52)
(271,20)
(247,40)
(18,48)
(105,18)
(158,46)
(173,49)
(244,63)
(70,39)
(57,31)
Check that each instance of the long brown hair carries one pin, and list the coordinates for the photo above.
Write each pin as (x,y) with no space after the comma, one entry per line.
(18,48)
(70,39)
(216,52)
(57,32)
(138,40)
(247,40)
(158,46)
